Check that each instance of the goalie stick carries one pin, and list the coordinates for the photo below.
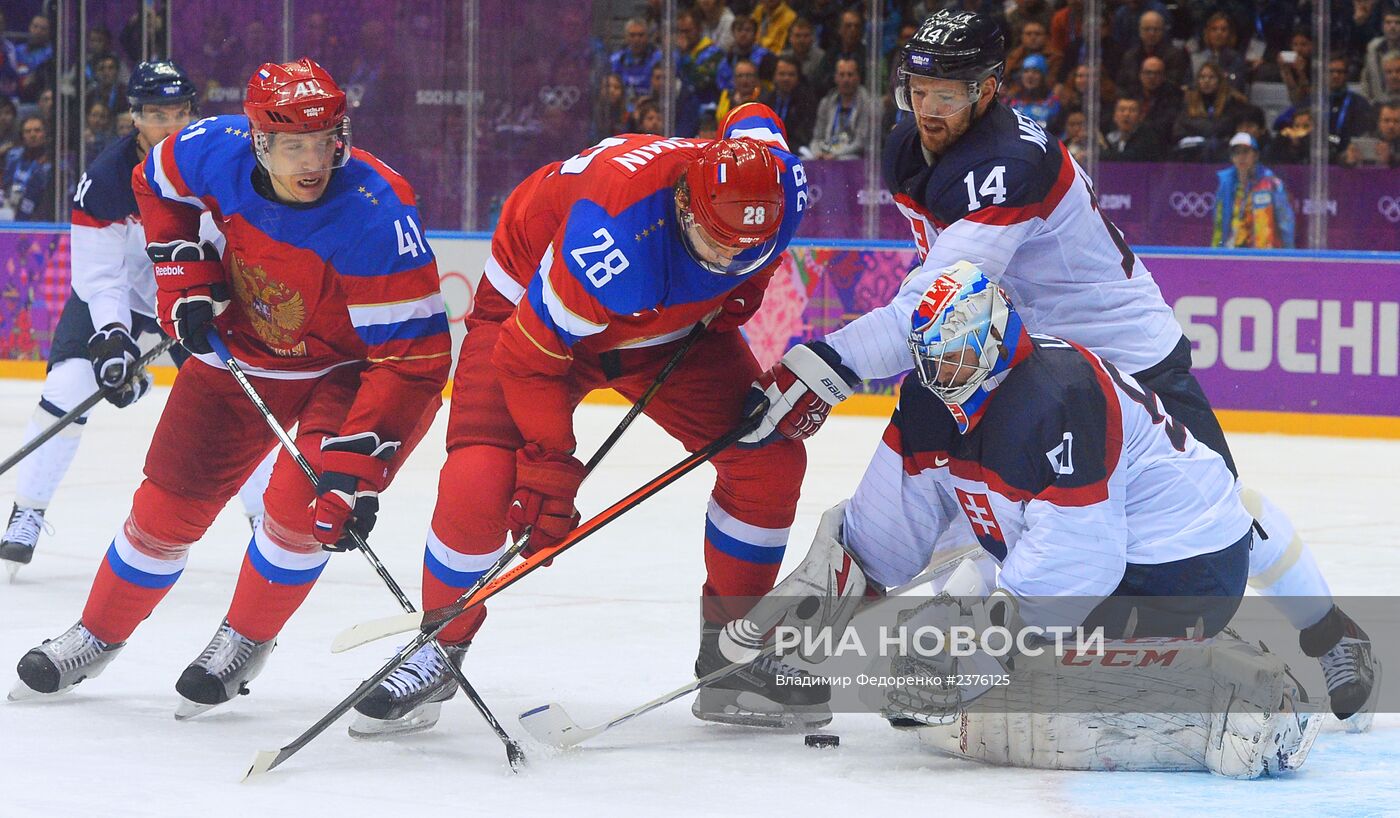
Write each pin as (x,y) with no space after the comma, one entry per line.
(82,408)
(550,724)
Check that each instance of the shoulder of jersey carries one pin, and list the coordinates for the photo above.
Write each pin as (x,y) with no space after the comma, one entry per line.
(105,192)
(378,189)
(631,168)
(1002,161)
(1059,381)
(209,148)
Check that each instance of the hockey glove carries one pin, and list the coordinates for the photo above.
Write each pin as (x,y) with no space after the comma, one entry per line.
(191,290)
(545,485)
(354,469)
(113,353)
(743,301)
(800,389)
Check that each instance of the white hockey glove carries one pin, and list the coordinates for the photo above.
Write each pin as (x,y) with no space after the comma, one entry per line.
(800,389)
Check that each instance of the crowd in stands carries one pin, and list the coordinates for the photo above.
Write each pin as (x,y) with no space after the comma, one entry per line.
(1177,81)
(29,80)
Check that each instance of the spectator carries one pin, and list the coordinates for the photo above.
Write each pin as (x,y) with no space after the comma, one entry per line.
(746,47)
(1024,11)
(1390,71)
(775,19)
(1161,101)
(1251,206)
(34,59)
(1388,134)
(98,129)
(1357,29)
(1250,120)
(9,122)
(634,61)
(1373,83)
(1293,68)
(27,179)
(1066,24)
(1218,41)
(1212,110)
(1131,142)
(793,101)
(850,45)
(687,108)
(1035,40)
(1294,143)
(646,118)
(746,88)
(1071,96)
(1031,94)
(106,83)
(802,46)
(1126,25)
(610,109)
(9,66)
(1076,137)
(717,23)
(1350,115)
(1067,37)
(155,36)
(708,127)
(844,116)
(125,126)
(1153,42)
(44,107)
(700,60)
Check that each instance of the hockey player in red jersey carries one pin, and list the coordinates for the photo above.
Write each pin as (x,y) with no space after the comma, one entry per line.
(328,297)
(982,183)
(599,266)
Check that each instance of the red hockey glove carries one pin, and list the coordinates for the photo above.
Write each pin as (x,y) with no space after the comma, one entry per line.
(743,301)
(545,485)
(354,469)
(800,390)
(191,290)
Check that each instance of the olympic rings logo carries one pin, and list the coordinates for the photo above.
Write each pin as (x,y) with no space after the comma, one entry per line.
(1192,204)
(561,97)
(458,295)
(1389,207)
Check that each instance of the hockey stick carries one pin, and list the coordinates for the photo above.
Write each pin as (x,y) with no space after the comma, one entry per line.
(81,409)
(430,624)
(550,723)
(514,754)
(353,636)
(266,760)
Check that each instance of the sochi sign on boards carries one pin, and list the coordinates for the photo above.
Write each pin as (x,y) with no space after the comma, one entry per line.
(1289,334)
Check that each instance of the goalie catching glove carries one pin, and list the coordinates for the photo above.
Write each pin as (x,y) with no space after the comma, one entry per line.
(191,290)
(114,353)
(800,390)
(354,469)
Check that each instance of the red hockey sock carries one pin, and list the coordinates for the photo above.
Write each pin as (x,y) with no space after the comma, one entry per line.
(272,584)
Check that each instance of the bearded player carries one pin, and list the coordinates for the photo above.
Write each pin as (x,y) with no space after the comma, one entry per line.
(601,264)
(328,298)
(980,182)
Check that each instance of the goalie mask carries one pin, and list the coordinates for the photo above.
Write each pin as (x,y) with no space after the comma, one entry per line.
(960,46)
(729,203)
(298,119)
(966,336)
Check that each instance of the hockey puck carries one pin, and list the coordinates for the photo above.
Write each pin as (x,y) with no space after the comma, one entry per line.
(822,740)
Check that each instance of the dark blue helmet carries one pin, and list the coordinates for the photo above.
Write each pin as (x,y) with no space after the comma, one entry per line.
(159,82)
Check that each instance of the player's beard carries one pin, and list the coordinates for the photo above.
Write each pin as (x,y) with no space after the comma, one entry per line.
(937,135)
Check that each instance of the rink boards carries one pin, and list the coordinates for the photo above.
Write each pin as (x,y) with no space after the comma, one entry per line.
(1283,341)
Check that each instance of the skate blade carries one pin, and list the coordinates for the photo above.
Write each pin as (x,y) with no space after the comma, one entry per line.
(186,709)
(1360,722)
(744,710)
(416,721)
(12,569)
(22,692)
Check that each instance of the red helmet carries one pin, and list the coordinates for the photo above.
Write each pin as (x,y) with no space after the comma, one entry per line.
(294,97)
(736,193)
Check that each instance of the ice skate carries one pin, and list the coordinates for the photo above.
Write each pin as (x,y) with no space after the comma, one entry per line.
(58,664)
(221,672)
(410,699)
(752,697)
(21,537)
(1352,673)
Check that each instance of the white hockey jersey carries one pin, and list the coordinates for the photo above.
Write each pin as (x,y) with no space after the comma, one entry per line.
(1010,199)
(1073,471)
(111,272)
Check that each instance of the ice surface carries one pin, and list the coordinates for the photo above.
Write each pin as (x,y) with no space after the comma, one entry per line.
(612,624)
